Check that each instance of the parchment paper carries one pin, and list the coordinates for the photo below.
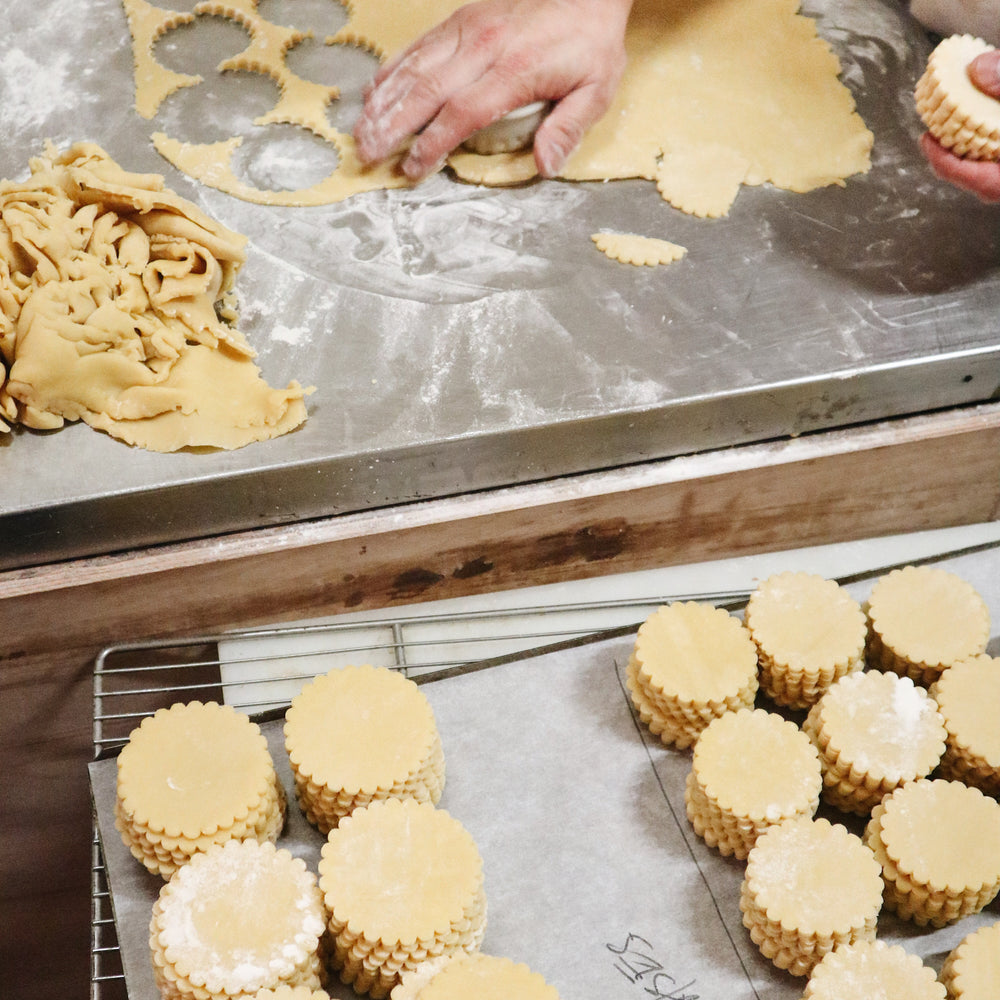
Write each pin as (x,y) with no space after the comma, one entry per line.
(594,877)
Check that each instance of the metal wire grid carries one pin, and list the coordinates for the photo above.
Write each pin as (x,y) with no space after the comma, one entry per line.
(133,680)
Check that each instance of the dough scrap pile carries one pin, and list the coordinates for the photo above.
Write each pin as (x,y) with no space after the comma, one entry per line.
(111,293)
(716,95)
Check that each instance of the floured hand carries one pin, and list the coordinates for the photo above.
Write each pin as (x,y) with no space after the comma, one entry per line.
(487,59)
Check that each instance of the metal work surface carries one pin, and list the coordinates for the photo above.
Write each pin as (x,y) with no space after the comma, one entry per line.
(463,338)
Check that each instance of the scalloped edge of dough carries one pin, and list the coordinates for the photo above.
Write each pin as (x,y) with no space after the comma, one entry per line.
(642,251)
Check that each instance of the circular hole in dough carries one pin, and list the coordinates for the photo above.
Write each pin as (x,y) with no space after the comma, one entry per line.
(321,17)
(347,67)
(222,105)
(198,46)
(283,158)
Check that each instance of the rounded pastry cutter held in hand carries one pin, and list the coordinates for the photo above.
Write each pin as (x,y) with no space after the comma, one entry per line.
(514,131)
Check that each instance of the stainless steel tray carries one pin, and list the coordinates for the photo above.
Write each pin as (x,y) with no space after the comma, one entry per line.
(463,338)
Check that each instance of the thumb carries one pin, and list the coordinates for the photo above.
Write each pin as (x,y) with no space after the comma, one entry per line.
(984,72)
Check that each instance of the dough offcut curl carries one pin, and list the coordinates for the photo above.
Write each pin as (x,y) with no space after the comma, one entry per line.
(111,292)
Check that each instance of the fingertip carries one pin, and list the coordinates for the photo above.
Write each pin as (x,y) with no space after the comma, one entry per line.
(984,71)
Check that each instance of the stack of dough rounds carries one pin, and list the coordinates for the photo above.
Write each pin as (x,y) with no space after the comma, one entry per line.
(691,663)
(938,843)
(809,886)
(873,969)
(360,734)
(473,977)
(291,993)
(956,112)
(750,770)
(192,776)
(403,883)
(968,697)
(922,619)
(239,918)
(874,732)
(972,969)
(809,631)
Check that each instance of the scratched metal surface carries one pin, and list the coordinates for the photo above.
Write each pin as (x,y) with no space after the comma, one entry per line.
(465,338)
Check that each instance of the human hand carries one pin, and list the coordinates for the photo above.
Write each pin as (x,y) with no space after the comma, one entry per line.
(980,177)
(487,59)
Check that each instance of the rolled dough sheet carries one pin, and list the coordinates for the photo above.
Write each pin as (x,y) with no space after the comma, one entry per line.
(751,83)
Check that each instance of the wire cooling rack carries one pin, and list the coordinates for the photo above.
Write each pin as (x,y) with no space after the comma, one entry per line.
(262,669)
(259,670)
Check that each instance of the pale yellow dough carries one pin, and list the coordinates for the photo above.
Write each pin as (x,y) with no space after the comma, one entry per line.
(747,90)
(463,976)
(871,969)
(972,969)
(111,292)
(240,918)
(628,248)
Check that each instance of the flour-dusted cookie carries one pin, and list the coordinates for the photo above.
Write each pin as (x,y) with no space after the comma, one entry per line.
(628,248)
(690,663)
(750,770)
(874,732)
(403,882)
(956,112)
(938,843)
(809,631)
(192,776)
(809,886)
(922,619)
(870,969)
(968,698)
(466,976)
(972,969)
(358,734)
(291,993)
(237,919)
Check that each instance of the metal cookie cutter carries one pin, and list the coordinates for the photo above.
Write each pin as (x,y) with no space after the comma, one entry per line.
(514,131)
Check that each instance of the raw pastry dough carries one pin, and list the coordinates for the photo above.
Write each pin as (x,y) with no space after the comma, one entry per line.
(403,882)
(972,969)
(921,619)
(702,180)
(478,976)
(359,734)
(809,632)
(750,770)
(690,664)
(809,886)
(956,112)
(874,732)
(871,969)
(640,250)
(111,291)
(242,917)
(191,777)
(968,696)
(935,869)
(748,87)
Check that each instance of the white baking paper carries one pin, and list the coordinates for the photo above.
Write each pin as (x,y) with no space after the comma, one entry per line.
(594,877)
